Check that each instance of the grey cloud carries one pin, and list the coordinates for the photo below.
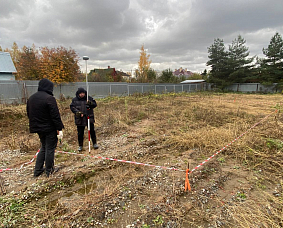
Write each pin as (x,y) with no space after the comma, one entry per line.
(175,32)
(8,8)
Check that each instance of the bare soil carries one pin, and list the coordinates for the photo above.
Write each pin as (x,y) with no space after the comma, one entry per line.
(239,187)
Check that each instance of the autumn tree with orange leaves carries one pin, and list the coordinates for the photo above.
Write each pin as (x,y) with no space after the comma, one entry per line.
(144,65)
(57,64)
(27,64)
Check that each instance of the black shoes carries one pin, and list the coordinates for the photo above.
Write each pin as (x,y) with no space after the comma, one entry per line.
(95,146)
(53,170)
(38,173)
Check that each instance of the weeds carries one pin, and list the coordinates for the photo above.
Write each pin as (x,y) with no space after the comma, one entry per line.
(241,195)
(221,160)
(158,220)
(274,144)
(178,123)
(10,213)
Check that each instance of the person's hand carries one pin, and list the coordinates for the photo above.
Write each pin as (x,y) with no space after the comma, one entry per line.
(60,135)
(79,114)
(89,103)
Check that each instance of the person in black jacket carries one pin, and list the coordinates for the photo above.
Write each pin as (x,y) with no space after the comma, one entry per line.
(45,120)
(83,108)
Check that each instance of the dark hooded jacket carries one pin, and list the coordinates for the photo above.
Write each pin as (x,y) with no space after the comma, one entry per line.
(80,105)
(42,109)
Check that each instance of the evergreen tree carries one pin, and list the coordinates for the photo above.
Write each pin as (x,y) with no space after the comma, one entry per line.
(272,65)
(204,75)
(151,75)
(238,61)
(218,61)
(167,76)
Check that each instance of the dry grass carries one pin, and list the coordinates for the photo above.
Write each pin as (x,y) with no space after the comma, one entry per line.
(183,127)
(266,211)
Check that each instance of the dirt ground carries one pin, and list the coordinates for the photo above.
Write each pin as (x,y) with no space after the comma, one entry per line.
(239,187)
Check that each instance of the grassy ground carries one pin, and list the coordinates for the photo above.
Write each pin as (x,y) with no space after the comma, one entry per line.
(240,187)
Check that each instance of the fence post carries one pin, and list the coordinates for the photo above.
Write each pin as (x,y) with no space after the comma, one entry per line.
(24,99)
(110,91)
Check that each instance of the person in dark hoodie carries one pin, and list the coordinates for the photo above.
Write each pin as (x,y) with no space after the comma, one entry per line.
(45,120)
(83,108)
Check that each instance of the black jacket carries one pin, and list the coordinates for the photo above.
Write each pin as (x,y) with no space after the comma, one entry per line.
(80,105)
(42,109)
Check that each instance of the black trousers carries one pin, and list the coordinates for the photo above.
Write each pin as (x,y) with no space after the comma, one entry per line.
(81,134)
(46,154)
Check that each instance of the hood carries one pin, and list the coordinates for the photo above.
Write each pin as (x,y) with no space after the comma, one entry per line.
(81,90)
(46,86)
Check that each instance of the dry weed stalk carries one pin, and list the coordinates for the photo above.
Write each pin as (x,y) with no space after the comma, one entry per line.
(2,187)
(266,211)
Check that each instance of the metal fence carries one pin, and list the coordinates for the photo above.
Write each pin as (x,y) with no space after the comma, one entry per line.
(20,91)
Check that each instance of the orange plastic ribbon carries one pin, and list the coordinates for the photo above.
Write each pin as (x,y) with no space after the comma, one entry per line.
(187,182)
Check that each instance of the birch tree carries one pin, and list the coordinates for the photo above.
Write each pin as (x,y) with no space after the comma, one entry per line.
(144,65)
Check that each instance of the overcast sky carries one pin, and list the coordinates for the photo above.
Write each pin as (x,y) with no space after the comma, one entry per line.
(176,33)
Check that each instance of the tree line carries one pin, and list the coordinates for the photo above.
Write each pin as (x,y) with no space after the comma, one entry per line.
(227,66)
(235,66)
(232,65)
(146,74)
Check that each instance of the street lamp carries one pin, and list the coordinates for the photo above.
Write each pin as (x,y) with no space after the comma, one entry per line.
(86,58)
(88,121)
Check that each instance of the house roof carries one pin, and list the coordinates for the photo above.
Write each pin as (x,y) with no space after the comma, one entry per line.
(123,73)
(182,71)
(192,81)
(105,71)
(6,63)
